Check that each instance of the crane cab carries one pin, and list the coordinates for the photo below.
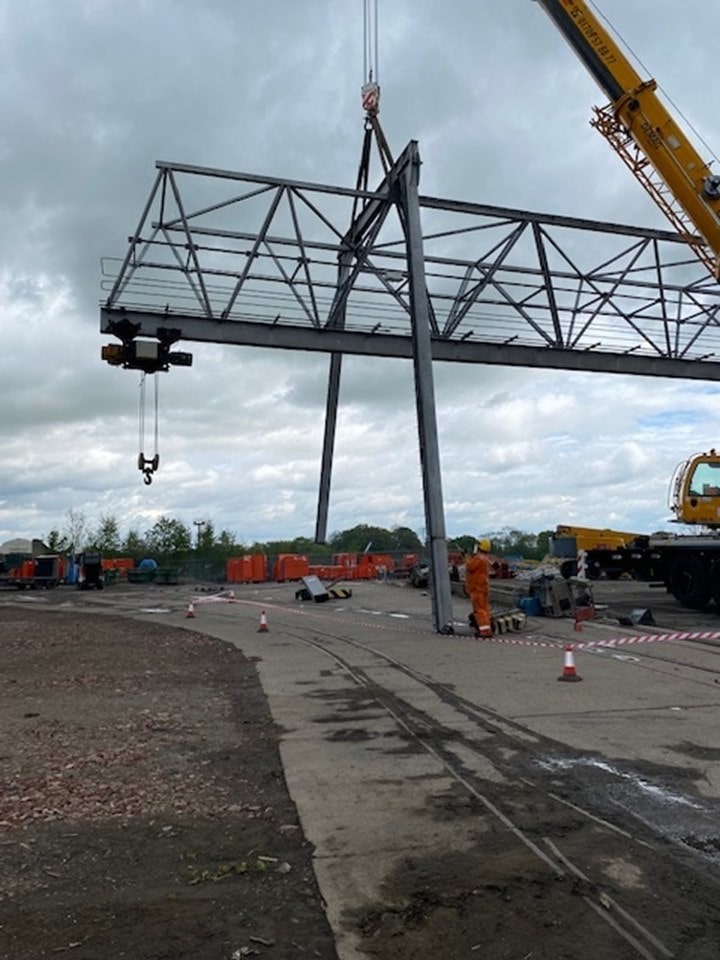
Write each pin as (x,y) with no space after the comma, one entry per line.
(695,490)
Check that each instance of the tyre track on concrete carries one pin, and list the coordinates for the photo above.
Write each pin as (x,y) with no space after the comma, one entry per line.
(439,741)
(486,754)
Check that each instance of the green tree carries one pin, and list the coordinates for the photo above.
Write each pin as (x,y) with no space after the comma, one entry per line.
(511,542)
(107,536)
(169,538)
(134,545)
(56,543)
(205,537)
(363,537)
(227,543)
(466,543)
(302,545)
(406,540)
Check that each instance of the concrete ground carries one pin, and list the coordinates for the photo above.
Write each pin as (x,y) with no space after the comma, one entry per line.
(404,750)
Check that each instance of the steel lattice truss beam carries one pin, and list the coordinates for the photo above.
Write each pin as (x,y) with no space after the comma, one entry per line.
(228,257)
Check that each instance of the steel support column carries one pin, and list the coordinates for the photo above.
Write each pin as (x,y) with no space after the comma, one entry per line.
(331,408)
(425,395)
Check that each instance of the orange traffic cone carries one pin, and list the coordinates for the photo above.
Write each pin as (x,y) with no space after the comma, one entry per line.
(263,628)
(569,672)
(190,611)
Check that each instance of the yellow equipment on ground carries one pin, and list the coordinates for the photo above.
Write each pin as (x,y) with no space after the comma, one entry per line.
(695,490)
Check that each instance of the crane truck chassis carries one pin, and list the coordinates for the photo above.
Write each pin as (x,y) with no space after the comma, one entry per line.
(687,566)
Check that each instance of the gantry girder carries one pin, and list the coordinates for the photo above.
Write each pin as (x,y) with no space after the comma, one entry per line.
(258,266)
(232,258)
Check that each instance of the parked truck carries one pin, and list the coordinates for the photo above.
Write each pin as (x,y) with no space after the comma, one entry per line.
(602,551)
(687,564)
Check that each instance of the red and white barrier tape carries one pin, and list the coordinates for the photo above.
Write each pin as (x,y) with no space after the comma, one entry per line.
(226,596)
(651,638)
(613,641)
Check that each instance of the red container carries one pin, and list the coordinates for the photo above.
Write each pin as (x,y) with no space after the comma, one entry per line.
(249,568)
(258,565)
(291,566)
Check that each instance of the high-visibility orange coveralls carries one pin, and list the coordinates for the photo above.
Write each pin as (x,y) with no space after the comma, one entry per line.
(477,584)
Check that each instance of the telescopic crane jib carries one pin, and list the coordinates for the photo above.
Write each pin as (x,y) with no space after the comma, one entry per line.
(641,130)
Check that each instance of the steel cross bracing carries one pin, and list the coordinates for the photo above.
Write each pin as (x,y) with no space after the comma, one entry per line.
(226,257)
(235,258)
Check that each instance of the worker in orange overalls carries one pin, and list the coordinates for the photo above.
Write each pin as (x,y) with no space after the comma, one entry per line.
(477,585)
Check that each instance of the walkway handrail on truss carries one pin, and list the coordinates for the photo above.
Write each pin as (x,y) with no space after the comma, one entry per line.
(241,258)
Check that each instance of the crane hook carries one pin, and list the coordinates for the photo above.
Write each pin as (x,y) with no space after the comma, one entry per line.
(148,467)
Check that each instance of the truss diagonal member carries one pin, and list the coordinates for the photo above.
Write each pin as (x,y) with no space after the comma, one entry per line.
(548,284)
(304,262)
(591,279)
(259,240)
(310,313)
(359,239)
(192,277)
(606,299)
(710,321)
(350,271)
(662,297)
(601,298)
(204,299)
(215,207)
(130,263)
(464,299)
(518,307)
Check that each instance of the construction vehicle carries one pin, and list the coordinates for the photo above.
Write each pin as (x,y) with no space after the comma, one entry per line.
(600,551)
(655,148)
(690,564)
(643,133)
(687,565)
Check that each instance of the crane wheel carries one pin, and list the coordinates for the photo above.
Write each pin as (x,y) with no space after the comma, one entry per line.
(715,582)
(689,582)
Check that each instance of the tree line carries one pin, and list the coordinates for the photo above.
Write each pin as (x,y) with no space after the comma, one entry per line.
(172,540)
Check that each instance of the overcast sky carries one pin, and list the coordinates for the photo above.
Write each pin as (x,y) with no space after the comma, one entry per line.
(93,92)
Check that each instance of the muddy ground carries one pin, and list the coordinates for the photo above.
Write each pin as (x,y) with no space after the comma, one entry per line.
(143,810)
(144,814)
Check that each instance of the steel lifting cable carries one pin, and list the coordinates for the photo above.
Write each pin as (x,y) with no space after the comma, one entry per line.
(148,465)
(370,41)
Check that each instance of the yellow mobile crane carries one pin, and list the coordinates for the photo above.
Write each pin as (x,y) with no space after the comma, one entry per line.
(641,130)
(651,143)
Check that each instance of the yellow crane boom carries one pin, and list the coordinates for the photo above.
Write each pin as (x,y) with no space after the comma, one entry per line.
(642,131)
